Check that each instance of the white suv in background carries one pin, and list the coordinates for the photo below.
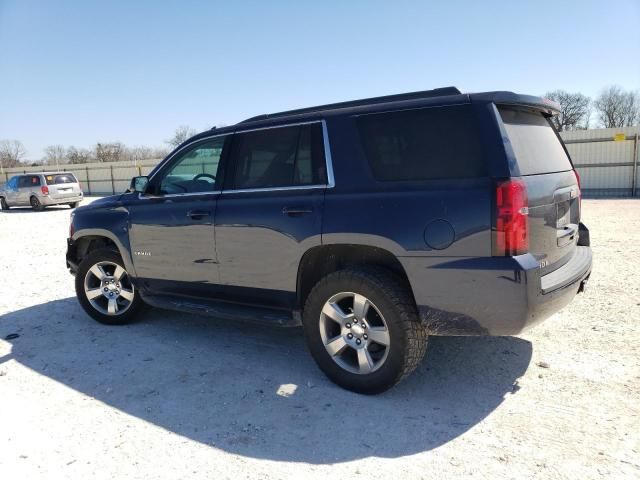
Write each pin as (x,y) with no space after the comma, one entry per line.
(40,190)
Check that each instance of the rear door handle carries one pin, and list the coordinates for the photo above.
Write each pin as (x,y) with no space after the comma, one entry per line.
(197,214)
(296,211)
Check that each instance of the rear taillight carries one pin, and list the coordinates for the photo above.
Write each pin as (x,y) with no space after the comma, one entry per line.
(44,189)
(579,188)
(511,229)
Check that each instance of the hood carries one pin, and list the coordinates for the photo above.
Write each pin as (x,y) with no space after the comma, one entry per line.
(110,201)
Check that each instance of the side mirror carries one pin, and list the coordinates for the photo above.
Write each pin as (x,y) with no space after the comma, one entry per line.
(139,184)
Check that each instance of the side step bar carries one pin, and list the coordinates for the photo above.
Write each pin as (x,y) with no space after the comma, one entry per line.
(226,310)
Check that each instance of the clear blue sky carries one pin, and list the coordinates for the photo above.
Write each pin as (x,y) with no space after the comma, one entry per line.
(74,73)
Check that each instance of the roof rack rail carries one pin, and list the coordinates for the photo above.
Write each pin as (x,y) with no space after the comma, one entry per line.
(436,92)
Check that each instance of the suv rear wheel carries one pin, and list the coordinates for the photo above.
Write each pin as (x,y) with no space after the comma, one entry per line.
(363,330)
(35,204)
(104,288)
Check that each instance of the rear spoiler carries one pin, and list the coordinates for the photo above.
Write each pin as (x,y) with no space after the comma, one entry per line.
(509,98)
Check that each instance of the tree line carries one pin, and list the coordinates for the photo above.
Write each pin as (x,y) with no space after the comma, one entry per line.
(13,152)
(614,107)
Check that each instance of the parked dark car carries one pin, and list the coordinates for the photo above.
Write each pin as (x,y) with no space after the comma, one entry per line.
(371,223)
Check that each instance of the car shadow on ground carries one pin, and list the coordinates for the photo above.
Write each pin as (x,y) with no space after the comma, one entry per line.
(31,210)
(255,391)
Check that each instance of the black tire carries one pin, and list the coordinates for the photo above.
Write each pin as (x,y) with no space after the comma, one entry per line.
(74,204)
(407,337)
(3,204)
(35,204)
(105,255)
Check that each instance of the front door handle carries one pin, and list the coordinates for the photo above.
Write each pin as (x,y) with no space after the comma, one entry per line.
(296,211)
(197,214)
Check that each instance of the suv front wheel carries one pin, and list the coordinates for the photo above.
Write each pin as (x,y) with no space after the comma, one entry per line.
(362,329)
(104,288)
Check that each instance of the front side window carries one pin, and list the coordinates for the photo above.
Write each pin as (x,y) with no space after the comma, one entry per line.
(278,157)
(13,183)
(423,144)
(195,171)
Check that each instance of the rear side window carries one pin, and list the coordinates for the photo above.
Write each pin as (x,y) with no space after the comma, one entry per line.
(60,178)
(29,181)
(534,141)
(423,144)
(278,157)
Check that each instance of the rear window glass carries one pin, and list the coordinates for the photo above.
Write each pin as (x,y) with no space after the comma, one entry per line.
(535,143)
(60,178)
(423,144)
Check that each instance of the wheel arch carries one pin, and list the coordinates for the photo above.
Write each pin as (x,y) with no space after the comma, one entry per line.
(322,260)
(87,240)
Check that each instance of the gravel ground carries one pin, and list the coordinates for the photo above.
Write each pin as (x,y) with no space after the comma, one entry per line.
(178,396)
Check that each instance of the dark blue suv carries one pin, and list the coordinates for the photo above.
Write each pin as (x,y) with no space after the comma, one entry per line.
(371,223)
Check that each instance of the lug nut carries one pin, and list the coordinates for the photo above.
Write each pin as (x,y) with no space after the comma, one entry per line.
(111,294)
(350,336)
(348,325)
(363,325)
(358,341)
(106,289)
(365,336)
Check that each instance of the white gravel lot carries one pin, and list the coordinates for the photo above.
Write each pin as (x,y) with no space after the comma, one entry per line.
(181,396)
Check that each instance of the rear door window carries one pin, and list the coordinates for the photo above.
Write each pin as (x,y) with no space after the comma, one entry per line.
(278,157)
(534,141)
(60,178)
(423,144)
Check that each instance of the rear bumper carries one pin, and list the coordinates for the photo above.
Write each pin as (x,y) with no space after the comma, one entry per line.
(48,200)
(492,296)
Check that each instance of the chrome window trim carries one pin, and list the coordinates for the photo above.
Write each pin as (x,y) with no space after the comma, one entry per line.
(173,195)
(274,189)
(327,157)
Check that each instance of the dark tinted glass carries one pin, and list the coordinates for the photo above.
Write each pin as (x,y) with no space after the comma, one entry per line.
(535,143)
(60,178)
(423,144)
(279,157)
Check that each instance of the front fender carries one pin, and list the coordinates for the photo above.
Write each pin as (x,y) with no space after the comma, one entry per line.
(112,223)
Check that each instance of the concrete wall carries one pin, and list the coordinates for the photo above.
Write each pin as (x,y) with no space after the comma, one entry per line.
(605,161)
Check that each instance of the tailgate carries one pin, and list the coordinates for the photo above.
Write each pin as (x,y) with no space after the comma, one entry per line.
(552,186)
(62,185)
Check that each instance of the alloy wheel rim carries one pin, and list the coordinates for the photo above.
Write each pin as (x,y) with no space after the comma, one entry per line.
(354,333)
(108,288)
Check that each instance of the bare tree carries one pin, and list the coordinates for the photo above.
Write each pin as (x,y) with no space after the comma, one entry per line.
(109,152)
(617,108)
(55,155)
(135,154)
(12,152)
(575,110)
(78,155)
(182,133)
